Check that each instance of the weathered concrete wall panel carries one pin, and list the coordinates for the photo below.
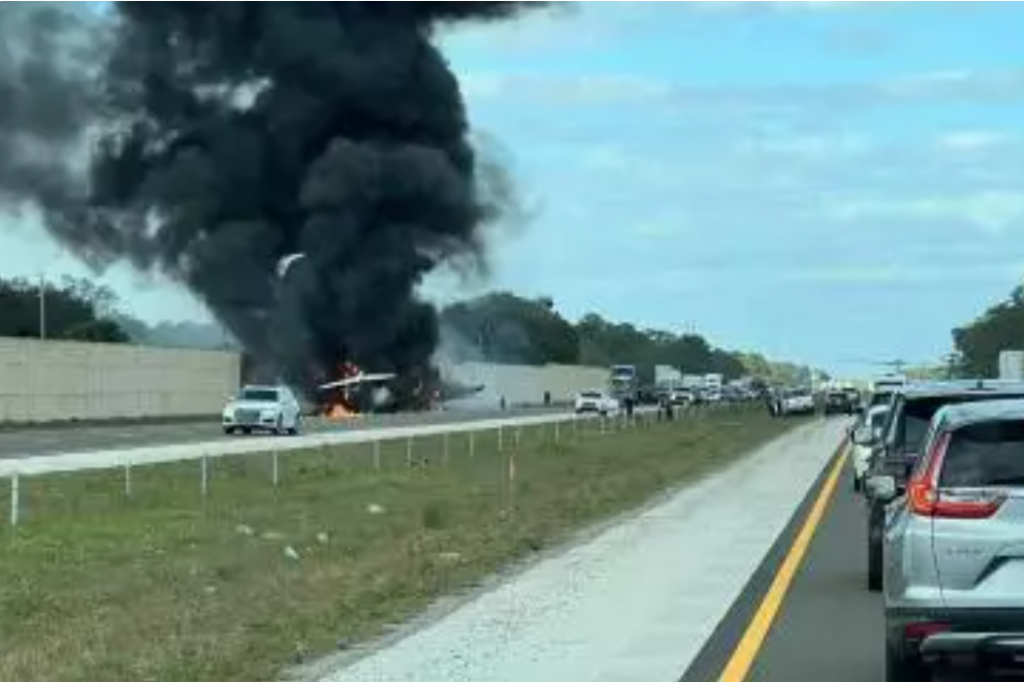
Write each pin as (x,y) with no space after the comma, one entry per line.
(43,381)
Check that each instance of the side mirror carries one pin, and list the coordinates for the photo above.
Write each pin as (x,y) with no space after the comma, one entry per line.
(882,489)
(861,435)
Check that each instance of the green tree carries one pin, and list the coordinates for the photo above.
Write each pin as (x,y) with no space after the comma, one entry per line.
(75,309)
(502,327)
(999,328)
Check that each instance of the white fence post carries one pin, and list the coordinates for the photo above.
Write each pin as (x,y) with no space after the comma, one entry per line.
(204,468)
(557,432)
(15,499)
(128,479)
(472,444)
(501,439)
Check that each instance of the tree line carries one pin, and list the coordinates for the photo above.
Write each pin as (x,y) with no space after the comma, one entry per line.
(69,310)
(978,343)
(499,327)
(505,328)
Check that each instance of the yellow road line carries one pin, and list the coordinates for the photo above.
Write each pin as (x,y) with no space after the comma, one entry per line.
(746,651)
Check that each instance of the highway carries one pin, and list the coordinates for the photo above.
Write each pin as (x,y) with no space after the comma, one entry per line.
(828,627)
(31,442)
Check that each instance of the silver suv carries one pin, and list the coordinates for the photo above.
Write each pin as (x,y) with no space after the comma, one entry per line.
(954,547)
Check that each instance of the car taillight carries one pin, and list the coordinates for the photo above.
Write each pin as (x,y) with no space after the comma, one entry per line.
(923,630)
(925,499)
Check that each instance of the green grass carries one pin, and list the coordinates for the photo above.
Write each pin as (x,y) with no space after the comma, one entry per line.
(169,586)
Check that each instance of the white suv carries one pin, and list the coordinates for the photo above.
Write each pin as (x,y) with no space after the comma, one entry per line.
(596,402)
(263,408)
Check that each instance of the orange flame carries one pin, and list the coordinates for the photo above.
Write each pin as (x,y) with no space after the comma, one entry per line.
(338,412)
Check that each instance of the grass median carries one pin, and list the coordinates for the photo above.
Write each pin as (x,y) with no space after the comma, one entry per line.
(146,577)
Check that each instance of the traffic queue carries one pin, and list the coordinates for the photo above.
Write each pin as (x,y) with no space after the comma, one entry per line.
(940,466)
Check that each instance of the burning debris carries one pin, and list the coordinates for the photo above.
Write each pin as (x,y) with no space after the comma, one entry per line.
(229,135)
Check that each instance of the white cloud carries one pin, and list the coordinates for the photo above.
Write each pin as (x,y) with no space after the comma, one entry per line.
(906,273)
(645,91)
(994,211)
(974,140)
(811,146)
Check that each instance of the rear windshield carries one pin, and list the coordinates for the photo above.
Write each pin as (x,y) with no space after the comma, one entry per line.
(918,415)
(880,399)
(985,454)
(261,395)
(590,394)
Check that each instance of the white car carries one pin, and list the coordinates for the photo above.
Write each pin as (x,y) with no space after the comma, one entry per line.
(870,432)
(263,408)
(596,402)
(796,401)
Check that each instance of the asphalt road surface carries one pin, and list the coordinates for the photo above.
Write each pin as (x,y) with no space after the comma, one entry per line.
(828,627)
(69,439)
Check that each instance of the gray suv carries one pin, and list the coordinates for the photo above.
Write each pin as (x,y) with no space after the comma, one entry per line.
(910,413)
(954,548)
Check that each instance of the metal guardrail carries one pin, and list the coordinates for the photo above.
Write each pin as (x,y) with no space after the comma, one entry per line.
(129,458)
(215,449)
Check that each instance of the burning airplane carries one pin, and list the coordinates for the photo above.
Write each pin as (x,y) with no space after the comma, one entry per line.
(357,392)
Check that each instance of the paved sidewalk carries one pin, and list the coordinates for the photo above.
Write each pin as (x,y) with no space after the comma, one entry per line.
(633,604)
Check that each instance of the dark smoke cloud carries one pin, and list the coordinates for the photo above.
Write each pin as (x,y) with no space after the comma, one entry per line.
(227,135)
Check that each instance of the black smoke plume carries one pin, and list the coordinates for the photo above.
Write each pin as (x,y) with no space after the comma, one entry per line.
(224,136)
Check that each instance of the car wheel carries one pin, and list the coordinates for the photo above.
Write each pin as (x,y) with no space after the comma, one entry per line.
(296,426)
(898,668)
(858,484)
(229,431)
(247,431)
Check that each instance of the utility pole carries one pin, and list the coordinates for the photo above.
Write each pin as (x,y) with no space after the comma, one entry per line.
(42,307)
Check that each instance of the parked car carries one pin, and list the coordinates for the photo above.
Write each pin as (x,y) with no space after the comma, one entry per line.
(954,548)
(910,413)
(867,434)
(596,402)
(263,408)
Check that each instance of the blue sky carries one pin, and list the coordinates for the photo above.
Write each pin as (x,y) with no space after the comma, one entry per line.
(819,181)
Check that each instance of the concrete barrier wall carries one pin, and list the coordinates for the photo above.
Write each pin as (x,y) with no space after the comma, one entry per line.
(524,384)
(43,381)
(47,381)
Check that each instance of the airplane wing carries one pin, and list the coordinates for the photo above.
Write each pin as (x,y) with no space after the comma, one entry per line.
(357,380)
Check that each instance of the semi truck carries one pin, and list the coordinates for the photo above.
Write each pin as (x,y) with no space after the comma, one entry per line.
(624,384)
(1011,365)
